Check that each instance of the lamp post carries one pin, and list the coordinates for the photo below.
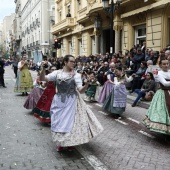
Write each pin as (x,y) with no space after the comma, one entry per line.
(110,9)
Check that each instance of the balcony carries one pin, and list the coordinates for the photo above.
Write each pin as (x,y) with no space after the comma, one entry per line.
(38,22)
(63,25)
(37,42)
(83,15)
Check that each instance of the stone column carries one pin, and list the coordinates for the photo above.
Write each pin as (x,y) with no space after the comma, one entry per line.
(117,29)
(97,41)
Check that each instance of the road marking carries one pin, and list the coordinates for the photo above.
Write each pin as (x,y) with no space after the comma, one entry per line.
(133,120)
(103,113)
(7,79)
(146,134)
(120,121)
(89,157)
(89,106)
(98,105)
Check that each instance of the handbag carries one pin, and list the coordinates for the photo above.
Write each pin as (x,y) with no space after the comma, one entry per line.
(149,95)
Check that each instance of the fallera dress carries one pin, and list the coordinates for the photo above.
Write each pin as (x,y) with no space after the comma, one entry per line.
(24,82)
(42,109)
(157,118)
(34,96)
(116,101)
(72,122)
(107,88)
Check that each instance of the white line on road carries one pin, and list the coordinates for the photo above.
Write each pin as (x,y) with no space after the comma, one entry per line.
(133,120)
(93,161)
(7,79)
(120,121)
(146,134)
(103,113)
(89,106)
(98,105)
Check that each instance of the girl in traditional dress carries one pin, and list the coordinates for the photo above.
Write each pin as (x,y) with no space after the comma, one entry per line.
(158,116)
(35,95)
(42,109)
(24,82)
(116,101)
(109,84)
(72,122)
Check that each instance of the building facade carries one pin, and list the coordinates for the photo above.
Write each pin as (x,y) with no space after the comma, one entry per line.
(7,34)
(134,23)
(36,25)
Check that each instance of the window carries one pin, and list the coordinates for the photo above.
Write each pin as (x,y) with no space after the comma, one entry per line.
(78,5)
(140,34)
(59,16)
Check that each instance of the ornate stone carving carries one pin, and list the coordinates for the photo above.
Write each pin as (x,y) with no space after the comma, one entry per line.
(67,1)
(117,27)
(91,2)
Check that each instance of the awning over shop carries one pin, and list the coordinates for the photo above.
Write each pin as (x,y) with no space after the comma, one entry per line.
(155,5)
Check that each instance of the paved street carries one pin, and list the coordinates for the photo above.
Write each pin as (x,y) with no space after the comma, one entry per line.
(125,144)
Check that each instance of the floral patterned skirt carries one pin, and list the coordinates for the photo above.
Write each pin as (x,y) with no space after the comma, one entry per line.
(157,118)
(85,126)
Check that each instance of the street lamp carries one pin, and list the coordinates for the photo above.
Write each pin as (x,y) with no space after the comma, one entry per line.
(110,9)
(97,22)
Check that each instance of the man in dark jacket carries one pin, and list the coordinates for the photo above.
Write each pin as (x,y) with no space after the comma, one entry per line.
(137,59)
(2,71)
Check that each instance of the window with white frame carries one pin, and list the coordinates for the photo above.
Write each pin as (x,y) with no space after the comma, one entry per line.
(140,34)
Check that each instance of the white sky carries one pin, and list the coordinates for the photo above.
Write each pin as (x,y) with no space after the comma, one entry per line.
(6,8)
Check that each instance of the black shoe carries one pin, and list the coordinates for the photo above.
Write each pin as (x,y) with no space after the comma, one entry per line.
(4,86)
(133,105)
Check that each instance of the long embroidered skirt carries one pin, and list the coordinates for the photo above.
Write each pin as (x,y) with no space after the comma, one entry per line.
(33,98)
(72,122)
(24,82)
(116,101)
(106,90)
(157,118)
(42,109)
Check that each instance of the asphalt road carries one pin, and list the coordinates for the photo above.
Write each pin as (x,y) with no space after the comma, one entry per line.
(125,144)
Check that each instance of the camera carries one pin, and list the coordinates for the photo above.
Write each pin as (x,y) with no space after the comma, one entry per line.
(45,65)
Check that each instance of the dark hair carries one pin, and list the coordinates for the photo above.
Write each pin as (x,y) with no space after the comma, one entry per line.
(118,68)
(160,62)
(66,59)
(151,75)
(144,63)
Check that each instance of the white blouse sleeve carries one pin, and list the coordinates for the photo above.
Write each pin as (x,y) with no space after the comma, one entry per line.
(162,80)
(19,65)
(52,76)
(78,80)
(108,77)
(129,79)
(116,81)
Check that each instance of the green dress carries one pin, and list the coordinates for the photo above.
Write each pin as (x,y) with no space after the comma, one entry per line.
(24,82)
(157,118)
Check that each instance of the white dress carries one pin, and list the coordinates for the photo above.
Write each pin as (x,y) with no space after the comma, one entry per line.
(72,122)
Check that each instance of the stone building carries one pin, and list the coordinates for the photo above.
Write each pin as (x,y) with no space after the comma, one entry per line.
(35,21)
(135,21)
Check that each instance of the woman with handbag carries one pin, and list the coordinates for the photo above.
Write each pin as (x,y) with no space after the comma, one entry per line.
(147,89)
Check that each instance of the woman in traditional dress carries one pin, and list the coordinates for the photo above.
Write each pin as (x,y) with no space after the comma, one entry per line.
(24,82)
(158,115)
(72,122)
(35,95)
(109,84)
(116,101)
(42,109)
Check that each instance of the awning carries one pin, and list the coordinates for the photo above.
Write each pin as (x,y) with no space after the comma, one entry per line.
(154,5)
